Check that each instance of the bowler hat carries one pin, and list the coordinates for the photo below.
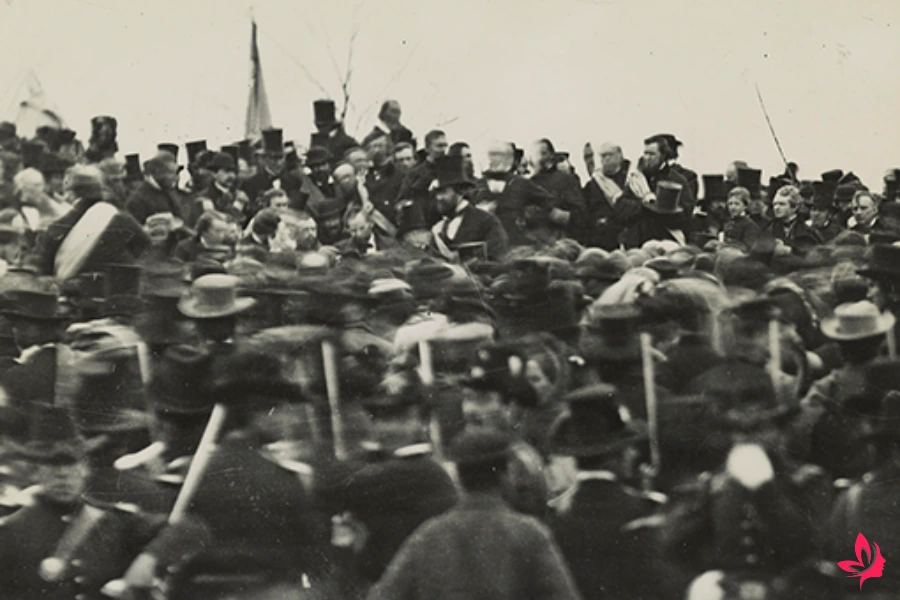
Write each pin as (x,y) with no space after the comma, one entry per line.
(596,425)
(221,161)
(133,166)
(324,207)
(180,385)
(451,171)
(168,147)
(750,179)
(324,112)
(714,187)
(480,445)
(273,141)
(317,155)
(194,149)
(668,194)
(857,320)
(212,297)
(883,262)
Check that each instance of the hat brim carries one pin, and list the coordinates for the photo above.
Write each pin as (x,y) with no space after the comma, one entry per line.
(655,208)
(560,445)
(18,314)
(454,183)
(735,419)
(188,307)
(594,349)
(830,328)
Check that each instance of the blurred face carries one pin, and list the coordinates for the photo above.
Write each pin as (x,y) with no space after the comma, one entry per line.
(447,199)
(611,159)
(541,155)
(279,202)
(819,217)
(61,483)
(321,173)
(536,377)
(392,114)
(360,161)
(218,233)
(466,154)
(29,332)
(306,235)
(345,177)
(360,229)
(589,162)
(782,209)
(274,163)
(736,207)
(437,148)
(332,226)
(653,158)
(484,408)
(167,178)
(378,151)
(245,171)
(55,184)
(757,207)
(225,177)
(405,159)
(864,209)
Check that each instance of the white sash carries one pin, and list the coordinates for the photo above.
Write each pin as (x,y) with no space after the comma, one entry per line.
(82,239)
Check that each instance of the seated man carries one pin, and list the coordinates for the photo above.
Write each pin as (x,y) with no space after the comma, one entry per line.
(363,240)
(213,229)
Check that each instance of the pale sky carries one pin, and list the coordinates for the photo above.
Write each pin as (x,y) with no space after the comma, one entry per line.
(570,70)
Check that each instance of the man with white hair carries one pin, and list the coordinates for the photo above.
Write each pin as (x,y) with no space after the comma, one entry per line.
(37,208)
(611,206)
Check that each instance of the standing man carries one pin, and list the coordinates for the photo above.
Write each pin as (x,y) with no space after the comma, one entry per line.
(384,178)
(389,124)
(567,212)
(271,168)
(331,131)
(221,194)
(156,194)
(416,186)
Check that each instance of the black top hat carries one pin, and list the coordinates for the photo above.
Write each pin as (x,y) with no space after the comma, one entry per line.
(750,179)
(273,141)
(480,445)
(133,166)
(845,192)
(823,194)
(168,147)
(324,112)
(832,176)
(714,187)
(181,383)
(611,333)
(451,171)
(31,154)
(66,136)
(253,375)
(317,155)
(194,149)
(883,262)
(668,194)
(596,424)
(222,161)
(231,150)
(52,438)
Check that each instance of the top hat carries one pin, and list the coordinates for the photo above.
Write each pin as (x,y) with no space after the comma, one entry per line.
(668,194)
(480,445)
(34,298)
(823,195)
(245,150)
(273,141)
(845,192)
(750,180)
(52,438)
(884,261)
(31,154)
(856,321)
(451,171)
(232,151)
(317,155)
(255,374)
(180,384)
(611,333)
(168,147)
(194,149)
(324,112)
(596,425)
(832,176)
(222,161)
(133,166)
(212,297)
(714,187)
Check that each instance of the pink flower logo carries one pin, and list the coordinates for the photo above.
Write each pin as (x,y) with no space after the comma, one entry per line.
(870,566)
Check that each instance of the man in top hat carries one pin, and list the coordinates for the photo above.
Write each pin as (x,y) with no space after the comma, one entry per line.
(792,236)
(271,167)
(416,185)
(711,213)
(517,556)
(824,217)
(567,209)
(331,131)
(607,558)
(93,234)
(213,303)
(662,217)
(462,222)
(221,195)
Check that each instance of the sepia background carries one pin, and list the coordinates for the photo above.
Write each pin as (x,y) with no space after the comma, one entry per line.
(572,70)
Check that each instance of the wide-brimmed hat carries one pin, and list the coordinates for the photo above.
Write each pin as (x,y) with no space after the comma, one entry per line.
(180,384)
(668,194)
(212,297)
(34,298)
(596,425)
(884,261)
(856,321)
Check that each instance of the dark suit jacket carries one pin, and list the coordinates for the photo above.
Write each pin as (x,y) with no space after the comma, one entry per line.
(481,549)
(510,205)
(742,231)
(383,186)
(653,226)
(415,187)
(123,241)
(606,561)
(479,226)
(604,223)
(798,235)
(147,200)
(382,243)
(566,197)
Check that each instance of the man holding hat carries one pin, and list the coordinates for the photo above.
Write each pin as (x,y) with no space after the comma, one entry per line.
(461,221)
(516,554)
(662,217)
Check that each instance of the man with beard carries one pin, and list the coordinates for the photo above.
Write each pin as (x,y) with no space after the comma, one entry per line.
(271,167)
(568,204)
(364,240)
(318,161)
(384,178)
(156,193)
(656,166)
(417,183)
(213,230)
(462,149)
(103,139)
(462,223)
(506,195)
(610,204)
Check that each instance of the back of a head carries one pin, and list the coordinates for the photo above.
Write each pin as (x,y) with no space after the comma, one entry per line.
(85,181)
(29,177)
(159,163)
(481,455)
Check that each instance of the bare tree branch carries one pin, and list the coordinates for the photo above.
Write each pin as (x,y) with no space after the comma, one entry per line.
(397,74)
(345,84)
(447,122)
(306,72)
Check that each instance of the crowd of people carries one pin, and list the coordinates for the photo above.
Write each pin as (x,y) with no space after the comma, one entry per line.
(364,370)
